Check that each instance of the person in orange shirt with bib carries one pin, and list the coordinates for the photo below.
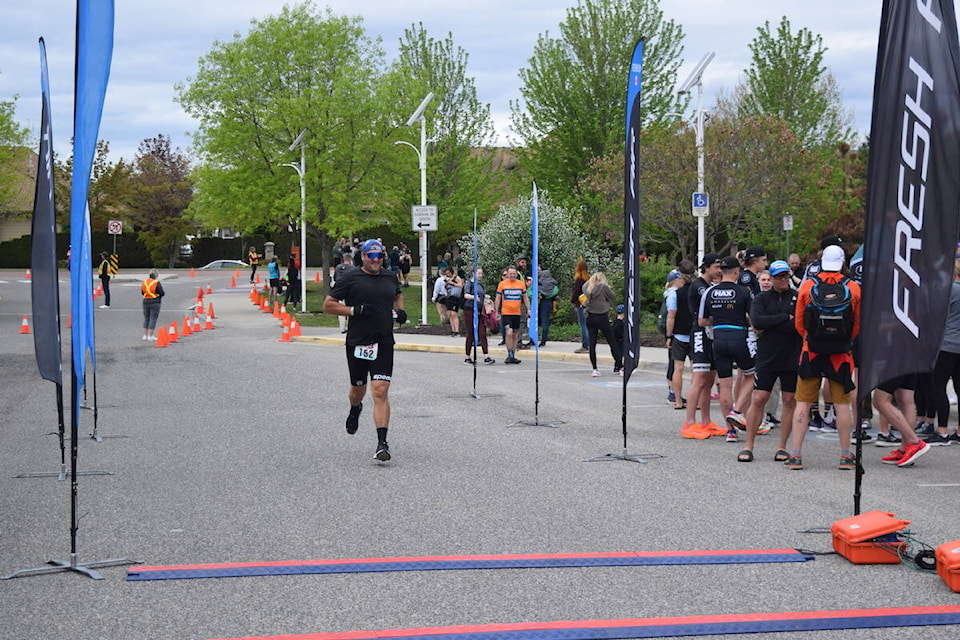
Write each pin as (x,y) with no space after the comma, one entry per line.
(511,303)
(152,292)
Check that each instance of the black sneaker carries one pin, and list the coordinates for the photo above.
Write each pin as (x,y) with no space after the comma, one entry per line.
(864,436)
(925,429)
(772,419)
(938,440)
(887,440)
(353,419)
(468,361)
(955,437)
(488,360)
(383,452)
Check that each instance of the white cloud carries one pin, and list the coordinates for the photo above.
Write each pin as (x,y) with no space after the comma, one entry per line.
(158,44)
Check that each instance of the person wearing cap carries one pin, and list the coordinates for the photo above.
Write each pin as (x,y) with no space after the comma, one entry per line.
(754,261)
(701,349)
(511,301)
(778,353)
(373,300)
(679,327)
(670,294)
(725,307)
(825,422)
(835,368)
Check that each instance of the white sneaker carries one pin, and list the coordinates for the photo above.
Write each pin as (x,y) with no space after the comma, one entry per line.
(144,338)
(104,306)
(151,337)
(596,373)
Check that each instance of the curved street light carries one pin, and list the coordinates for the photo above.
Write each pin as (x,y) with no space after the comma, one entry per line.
(301,170)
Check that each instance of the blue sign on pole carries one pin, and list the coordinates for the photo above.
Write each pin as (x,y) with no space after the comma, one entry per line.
(701,205)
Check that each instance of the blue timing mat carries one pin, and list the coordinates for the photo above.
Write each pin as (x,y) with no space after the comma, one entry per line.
(449,563)
(661,627)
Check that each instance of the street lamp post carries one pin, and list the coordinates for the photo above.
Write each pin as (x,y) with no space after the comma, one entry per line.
(696,79)
(418,115)
(301,172)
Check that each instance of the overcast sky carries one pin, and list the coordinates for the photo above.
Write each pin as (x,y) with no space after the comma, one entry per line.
(157,44)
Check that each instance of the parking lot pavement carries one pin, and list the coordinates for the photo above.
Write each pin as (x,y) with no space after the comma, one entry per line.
(230,447)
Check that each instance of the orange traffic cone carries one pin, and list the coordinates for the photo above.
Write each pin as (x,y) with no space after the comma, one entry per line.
(209,290)
(28,274)
(199,293)
(199,308)
(265,305)
(283,313)
(197,327)
(162,338)
(210,311)
(285,336)
(24,325)
(236,274)
(316,276)
(69,320)
(192,273)
(294,328)
(208,324)
(186,326)
(258,278)
(276,309)
(254,297)
(233,282)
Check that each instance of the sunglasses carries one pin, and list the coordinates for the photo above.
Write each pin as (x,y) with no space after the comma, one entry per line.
(375,255)
(781,276)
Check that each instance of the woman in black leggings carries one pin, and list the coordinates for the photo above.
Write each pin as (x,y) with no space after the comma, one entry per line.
(599,298)
(948,365)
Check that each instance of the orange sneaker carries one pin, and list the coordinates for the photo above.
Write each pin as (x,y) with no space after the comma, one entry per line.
(714,429)
(694,431)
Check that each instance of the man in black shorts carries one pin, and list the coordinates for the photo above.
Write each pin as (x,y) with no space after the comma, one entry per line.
(371,297)
(701,355)
(726,307)
(778,355)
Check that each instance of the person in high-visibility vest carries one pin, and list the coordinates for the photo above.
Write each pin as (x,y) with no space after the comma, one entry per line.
(104,273)
(152,292)
(254,259)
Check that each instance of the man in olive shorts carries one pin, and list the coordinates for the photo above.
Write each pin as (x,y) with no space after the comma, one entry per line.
(372,299)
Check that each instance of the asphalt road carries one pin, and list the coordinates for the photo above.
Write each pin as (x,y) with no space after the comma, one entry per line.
(233,449)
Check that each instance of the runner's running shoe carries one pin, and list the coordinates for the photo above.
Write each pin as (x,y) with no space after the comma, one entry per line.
(694,431)
(887,440)
(912,452)
(383,452)
(736,420)
(794,463)
(847,462)
(714,429)
(732,435)
(353,418)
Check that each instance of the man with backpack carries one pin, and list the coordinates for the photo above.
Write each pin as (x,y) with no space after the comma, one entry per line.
(828,318)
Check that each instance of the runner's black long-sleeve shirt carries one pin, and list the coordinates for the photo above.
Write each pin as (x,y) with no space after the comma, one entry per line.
(778,347)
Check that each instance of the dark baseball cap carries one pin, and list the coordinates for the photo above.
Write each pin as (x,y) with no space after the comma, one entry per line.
(730,262)
(753,252)
(830,241)
(710,259)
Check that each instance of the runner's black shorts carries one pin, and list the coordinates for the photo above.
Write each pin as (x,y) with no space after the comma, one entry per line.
(679,350)
(908,381)
(379,369)
(701,352)
(511,321)
(765,380)
(729,346)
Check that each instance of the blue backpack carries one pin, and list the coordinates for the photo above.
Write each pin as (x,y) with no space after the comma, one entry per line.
(828,317)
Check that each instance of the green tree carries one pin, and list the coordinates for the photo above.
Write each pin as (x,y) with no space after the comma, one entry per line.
(573,91)
(562,242)
(787,79)
(160,193)
(458,178)
(12,138)
(299,70)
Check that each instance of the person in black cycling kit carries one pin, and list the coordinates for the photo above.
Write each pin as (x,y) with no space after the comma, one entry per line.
(726,308)
(372,298)
(701,355)
(778,355)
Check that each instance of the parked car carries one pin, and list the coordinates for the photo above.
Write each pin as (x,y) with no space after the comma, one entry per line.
(225,264)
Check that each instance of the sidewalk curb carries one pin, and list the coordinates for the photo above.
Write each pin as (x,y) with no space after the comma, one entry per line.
(494,351)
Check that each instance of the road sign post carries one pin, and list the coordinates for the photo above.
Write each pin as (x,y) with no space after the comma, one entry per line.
(424,217)
(700,205)
(115,228)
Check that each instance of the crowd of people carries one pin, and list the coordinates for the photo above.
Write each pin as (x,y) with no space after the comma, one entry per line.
(778,335)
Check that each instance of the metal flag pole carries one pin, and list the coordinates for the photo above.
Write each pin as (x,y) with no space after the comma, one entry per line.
(534,316)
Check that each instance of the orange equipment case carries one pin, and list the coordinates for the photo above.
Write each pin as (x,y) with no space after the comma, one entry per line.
(948,564)
(869,538)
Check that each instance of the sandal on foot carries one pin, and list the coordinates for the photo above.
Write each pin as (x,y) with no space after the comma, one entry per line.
(745,456)
(682,406)
(782,455)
